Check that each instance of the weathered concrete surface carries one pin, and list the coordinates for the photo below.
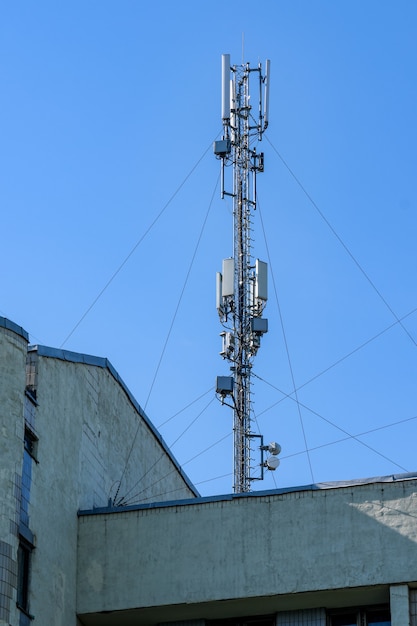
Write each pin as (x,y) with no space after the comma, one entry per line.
(400,605)
(86,425)
(13,346)
(308,542)
(94,442)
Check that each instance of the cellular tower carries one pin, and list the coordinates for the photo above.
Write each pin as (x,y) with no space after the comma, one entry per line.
(241,287)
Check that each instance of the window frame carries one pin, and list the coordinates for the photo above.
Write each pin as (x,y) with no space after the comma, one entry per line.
(361,613)
(254,620)
(24,563)
(30,443)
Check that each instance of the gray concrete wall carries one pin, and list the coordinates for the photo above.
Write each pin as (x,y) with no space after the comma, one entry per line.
(95,424)
(400,605)
(86,425)
(93,442)
(13,346)
(283,545)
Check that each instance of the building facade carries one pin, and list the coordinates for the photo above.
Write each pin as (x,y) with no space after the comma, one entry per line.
(71,554)
(72,437)
(339,554)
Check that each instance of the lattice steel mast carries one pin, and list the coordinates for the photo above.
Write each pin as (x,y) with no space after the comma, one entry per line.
(242,285)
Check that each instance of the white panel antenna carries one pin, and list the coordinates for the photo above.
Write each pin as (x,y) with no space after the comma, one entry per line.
(219,298)
(225,87)
(228,282)
(261,280)
(266,95)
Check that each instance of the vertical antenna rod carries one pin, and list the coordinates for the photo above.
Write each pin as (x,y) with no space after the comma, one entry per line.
(242,286)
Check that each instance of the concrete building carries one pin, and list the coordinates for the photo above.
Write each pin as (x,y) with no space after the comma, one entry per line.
(339,554)
(72,437)
(325,554)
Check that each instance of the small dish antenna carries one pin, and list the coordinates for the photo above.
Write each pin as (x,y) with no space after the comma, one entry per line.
(273,461)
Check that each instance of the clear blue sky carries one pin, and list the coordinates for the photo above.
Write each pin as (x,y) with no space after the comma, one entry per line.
(109,107)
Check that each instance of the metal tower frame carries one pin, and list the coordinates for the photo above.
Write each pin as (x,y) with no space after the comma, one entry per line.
(242,285)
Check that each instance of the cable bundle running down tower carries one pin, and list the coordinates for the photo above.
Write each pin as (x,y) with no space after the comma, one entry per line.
(241,288)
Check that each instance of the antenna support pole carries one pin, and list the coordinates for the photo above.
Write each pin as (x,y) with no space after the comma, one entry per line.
(241,288)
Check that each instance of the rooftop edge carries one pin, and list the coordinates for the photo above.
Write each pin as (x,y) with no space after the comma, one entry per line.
(391,478)
(15,328)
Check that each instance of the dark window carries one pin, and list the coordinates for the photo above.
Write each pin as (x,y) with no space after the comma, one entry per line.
(245,621)
(26,479)
(361,617)
(25,548)
(378,618)
(23,570)
(344,620)
(31,442)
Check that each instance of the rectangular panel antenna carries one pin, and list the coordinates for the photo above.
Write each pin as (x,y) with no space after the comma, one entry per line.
(228,285)
(266,96)
(225,87)
(261,284)
(219,299)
